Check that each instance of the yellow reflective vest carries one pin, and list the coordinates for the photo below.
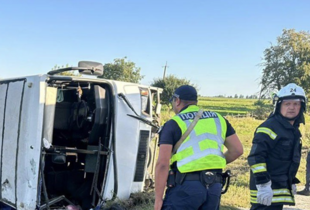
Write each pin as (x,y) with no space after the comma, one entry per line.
(203,148)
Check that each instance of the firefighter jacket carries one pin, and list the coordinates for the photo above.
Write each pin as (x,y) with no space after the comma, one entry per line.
(275,156)
(203,148)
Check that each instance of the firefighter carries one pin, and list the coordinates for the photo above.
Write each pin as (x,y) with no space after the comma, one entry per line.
(276,151)
(195,179)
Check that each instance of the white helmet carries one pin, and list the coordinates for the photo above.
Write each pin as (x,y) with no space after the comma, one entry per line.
(291,91)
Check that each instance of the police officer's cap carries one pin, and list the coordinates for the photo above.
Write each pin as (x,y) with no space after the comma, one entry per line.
(186,92)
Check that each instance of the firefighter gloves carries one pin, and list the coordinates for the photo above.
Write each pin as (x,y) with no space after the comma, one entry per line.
(264,193)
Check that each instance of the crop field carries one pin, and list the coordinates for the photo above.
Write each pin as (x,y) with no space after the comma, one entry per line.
(238,195)
(228,106)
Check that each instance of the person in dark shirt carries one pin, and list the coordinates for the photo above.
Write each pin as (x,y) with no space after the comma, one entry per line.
(195,178)
(306,190)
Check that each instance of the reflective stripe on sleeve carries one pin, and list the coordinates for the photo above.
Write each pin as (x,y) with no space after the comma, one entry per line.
(267,131)
(260,167)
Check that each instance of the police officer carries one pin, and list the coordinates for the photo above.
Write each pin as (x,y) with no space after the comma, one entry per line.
(306,190)
(197,164)
(276,151)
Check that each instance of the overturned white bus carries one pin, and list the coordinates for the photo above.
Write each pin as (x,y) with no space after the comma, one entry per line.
(75,140)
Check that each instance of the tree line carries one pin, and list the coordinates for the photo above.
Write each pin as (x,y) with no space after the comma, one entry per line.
(240,96)
(284,62)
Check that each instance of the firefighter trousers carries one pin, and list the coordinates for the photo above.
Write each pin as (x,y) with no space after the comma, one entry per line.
(263,207)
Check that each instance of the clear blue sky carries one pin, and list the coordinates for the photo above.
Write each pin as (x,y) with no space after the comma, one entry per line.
(215,44)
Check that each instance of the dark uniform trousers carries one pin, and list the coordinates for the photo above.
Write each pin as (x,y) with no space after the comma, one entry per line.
(194,191)
(308,171)
(193,195)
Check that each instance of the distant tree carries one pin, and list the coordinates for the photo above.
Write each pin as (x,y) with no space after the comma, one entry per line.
(169,84)
(252,97)
(287,61)
(236,96)
(241,96)
(122,70)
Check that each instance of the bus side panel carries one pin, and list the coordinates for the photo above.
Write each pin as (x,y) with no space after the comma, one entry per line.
(10,141)
(3,88)
(30,143)
(127,139)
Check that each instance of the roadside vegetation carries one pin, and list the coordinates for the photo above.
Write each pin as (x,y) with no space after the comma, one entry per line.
(241,114)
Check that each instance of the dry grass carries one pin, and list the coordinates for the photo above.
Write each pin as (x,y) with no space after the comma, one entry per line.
(137,201)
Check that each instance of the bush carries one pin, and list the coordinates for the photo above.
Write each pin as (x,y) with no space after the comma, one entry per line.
(262,110)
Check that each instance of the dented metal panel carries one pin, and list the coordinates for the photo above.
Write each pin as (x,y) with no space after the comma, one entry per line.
(10,140)
(29,147)
(3,89)
(23,107)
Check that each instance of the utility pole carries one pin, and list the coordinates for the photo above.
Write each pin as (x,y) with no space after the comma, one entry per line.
(165,68)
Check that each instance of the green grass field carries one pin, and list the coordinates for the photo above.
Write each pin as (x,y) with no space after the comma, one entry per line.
(238,194)
(228,106)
